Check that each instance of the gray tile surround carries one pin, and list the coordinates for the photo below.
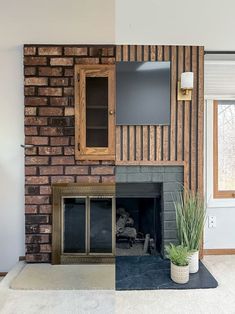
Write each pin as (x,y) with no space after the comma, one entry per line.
(171,178)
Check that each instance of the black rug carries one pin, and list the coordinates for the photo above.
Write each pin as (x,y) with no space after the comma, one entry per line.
(153,272)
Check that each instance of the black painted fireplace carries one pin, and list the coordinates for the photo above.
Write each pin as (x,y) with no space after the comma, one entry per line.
(160,183)
(138,219)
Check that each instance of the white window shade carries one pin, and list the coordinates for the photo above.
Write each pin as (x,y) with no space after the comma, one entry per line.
(220,76)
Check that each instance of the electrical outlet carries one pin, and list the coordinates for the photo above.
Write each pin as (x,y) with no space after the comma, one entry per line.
(212,221)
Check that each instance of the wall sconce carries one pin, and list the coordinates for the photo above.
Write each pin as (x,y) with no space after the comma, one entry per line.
(185,86)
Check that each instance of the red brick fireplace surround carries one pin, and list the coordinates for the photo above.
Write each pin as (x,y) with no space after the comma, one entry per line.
(49,127)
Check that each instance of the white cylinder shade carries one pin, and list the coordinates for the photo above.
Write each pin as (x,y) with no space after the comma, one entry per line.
(187,80)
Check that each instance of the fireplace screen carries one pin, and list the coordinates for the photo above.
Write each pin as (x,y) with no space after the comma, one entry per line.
(87,225)
(83,224)
(74,233)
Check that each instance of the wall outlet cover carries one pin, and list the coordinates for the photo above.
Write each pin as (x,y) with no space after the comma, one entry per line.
(211,221)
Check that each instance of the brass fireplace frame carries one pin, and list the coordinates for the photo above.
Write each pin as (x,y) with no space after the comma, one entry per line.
(61,191)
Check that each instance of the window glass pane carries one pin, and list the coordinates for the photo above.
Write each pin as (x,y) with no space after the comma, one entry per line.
(226,145)
(97,112)
(101,225)
(74,225)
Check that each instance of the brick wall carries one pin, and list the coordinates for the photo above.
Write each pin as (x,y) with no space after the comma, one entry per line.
(49,126)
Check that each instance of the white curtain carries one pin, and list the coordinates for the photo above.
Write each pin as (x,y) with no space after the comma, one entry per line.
(220,76)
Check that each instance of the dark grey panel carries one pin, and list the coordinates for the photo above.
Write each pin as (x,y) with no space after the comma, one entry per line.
(143,93)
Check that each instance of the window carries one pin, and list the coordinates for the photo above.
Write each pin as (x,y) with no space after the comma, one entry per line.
(224,149)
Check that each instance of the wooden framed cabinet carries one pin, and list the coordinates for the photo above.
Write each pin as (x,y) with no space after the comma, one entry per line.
(95,112)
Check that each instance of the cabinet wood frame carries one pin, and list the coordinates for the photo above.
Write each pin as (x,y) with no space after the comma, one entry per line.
(82,152)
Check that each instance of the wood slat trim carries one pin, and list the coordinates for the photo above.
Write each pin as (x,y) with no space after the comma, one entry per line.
(138,143)
(187,107)
(180,62)
(145,143)
(152,143)
(3,274)
(146,53)
(131,143)
(165,142)
(159,143)
(194,122)
(159,53)
(139,53)
(125,54)
(200,119)
(150,163)
(118,53)
(219,251)
(132,53)
(124,143)
(152,53)
(173,103)
(166,53)
(118,144)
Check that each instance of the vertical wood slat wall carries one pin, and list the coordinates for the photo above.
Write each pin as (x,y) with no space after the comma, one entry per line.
(182,141)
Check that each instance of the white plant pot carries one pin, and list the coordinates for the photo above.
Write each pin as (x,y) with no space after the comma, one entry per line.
(194,263)
(179,274)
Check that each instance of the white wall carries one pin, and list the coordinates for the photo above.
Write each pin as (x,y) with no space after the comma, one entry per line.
(22,22)
(183,22)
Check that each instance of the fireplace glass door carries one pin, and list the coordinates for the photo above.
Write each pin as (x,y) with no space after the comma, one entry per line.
(88,225)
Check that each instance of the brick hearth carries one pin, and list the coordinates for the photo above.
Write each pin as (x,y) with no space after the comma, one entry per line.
(49,126)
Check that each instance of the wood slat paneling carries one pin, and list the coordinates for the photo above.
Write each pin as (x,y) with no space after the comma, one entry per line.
(182,141)
(142,143)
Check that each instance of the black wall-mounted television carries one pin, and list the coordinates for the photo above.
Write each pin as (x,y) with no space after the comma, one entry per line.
(143,93)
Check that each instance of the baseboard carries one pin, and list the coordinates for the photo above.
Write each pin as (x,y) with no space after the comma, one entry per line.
(3,274)
(22,258)
(219,251)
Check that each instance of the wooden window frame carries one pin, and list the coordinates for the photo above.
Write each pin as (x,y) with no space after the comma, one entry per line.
(218,193)
(82,152)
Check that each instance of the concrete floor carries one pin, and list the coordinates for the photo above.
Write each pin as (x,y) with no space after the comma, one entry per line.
(211,301)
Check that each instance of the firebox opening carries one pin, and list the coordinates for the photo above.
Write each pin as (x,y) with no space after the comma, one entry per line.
(138,220)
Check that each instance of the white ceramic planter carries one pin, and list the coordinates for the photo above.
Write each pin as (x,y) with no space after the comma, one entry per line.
(179,274)
(194,262)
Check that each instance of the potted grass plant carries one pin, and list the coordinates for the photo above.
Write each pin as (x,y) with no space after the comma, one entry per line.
(179,257)
(190,220)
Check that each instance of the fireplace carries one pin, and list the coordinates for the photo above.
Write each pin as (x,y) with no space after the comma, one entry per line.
(145,185)
(138,219)
(83,223)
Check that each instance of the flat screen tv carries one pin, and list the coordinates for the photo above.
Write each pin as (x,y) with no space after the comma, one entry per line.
(143,93)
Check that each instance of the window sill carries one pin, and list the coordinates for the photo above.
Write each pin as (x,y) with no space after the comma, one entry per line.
(221,203)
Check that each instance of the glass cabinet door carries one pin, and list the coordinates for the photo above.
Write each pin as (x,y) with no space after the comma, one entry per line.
(95,112)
